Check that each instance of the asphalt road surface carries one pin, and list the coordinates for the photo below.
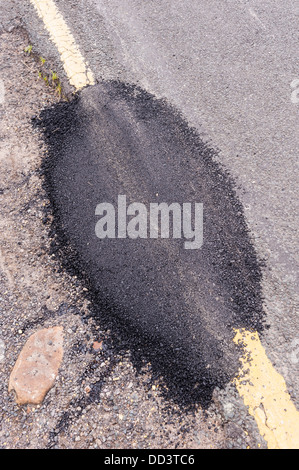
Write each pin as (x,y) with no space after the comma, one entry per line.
(228,68)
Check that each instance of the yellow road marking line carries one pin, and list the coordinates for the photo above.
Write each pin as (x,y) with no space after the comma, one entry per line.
(264,391)
(75,66)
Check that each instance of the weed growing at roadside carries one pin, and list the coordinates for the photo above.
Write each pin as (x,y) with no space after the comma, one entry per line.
(28,49)
(51,77)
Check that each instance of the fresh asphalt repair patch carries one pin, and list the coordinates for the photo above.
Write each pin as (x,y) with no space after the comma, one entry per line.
(173,307)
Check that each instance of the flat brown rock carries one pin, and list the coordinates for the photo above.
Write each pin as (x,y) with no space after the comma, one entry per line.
(37,366)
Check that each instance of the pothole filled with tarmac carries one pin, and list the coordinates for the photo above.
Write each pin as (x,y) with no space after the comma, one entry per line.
(173,308)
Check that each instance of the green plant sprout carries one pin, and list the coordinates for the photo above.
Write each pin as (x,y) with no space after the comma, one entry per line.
(28,49)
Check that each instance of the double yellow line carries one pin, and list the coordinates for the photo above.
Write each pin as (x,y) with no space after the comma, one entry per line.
(263,390)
